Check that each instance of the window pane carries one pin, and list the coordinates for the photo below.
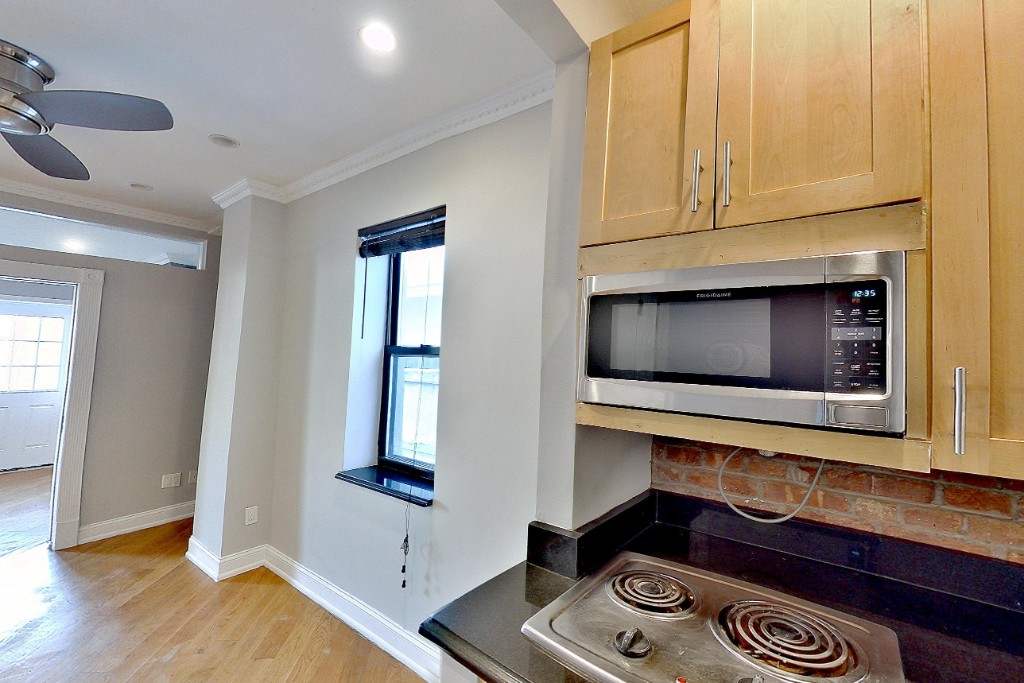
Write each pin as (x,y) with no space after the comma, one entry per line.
(26,327)
(6,349)
(6,327)
(51,329)
(5,379)
(412,410)
(22,379)
(47,379)
(24,353)
(49,353)
(419,303)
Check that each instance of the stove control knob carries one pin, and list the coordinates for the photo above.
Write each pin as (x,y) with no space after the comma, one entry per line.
(632,643)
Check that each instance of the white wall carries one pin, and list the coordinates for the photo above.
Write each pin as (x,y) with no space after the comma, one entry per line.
(237,450)
(151,365)
(494,183)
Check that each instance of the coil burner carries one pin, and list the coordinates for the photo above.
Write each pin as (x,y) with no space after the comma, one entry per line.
(782,638)
(652,594)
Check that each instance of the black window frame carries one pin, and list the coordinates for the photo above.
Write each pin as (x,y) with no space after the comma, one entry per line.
(391,350)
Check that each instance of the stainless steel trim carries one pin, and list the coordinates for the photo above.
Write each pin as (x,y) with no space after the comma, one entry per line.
(890,266)
(959,411)
(575,629)
(726,174)
(697,168)
(796,407)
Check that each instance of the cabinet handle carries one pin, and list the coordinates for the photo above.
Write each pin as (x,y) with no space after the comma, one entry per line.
(959,410)
(697,168)
(726,175)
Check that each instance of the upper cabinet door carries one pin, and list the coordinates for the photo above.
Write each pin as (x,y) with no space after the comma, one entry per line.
(650,108)
(820,105)
(977,202)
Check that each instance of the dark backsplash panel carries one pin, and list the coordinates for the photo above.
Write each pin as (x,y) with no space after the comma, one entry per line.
(574,553)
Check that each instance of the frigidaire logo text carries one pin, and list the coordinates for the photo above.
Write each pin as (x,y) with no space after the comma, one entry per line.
(713,295)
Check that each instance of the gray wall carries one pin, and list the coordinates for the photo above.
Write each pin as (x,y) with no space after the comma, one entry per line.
(152,359)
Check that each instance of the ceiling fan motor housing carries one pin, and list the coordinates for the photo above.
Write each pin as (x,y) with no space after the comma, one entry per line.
(21,72)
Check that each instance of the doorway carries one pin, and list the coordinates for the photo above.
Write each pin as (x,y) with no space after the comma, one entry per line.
(46,381)
(35,344)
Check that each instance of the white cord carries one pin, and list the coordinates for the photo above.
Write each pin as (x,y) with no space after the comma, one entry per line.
(766,520)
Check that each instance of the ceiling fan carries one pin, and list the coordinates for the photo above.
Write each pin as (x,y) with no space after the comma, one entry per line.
(28,113)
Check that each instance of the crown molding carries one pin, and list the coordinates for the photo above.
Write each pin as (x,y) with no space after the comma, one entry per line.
(83,202)
(506,103)
(247,187)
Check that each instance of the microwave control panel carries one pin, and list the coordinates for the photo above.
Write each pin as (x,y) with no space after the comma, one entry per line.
(856,356)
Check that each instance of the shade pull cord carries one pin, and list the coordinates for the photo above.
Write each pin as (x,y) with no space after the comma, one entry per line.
(766,520)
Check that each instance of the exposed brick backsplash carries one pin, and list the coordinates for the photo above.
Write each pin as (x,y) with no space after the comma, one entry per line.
(975,514)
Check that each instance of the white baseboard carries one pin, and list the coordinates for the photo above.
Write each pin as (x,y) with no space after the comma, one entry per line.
(220,568)
(420,656)
(140,520)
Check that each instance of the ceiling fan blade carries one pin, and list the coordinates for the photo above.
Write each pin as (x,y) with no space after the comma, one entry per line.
(95,109)
(48,156)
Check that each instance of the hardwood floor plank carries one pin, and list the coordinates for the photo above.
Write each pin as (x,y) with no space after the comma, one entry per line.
(132,608)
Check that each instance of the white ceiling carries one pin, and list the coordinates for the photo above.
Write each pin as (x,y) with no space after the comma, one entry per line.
(288,79)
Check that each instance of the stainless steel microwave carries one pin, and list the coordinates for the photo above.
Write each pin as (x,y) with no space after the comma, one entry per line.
(812,341)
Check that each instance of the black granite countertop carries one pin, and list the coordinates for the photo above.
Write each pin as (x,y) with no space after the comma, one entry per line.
(958,618)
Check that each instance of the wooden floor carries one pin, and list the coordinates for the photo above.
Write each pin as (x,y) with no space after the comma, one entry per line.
(132,608)
(24,509)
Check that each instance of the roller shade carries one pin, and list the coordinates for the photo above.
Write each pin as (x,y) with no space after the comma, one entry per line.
(416,231)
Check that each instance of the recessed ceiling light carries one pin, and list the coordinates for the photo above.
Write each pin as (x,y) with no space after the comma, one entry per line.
(223,140)
(377,37)
(73,245)
(141,186)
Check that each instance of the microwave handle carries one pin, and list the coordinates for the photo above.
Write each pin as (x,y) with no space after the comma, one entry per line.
(959,411)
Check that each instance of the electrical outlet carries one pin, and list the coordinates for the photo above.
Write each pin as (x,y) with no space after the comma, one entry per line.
(193,476)
(252,515)
(170,480)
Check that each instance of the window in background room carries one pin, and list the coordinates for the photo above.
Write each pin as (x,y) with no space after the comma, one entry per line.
(414,247)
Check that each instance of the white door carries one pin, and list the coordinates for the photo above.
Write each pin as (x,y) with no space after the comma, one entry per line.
(33,377)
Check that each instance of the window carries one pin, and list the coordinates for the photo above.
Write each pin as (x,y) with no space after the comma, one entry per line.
(408,429)
(414,249)
(30,352)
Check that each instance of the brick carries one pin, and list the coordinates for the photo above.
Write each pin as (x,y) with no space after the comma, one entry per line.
(978,499)
(744,486)
(702,478)
(835,519)
(997,531)
(901,488)
(976,480)
(716,455)
(766,467)
(847,480)
(793,494)
(780,491)
(876,509)
(684,454)
(1012,485)
(661,472)
(935,519)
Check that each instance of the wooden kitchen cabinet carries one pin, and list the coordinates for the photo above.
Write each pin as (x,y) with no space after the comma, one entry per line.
(650,105)
(821,105)
(977,240)
(803,108)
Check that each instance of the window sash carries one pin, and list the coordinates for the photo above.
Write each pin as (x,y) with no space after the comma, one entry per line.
(391,432)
